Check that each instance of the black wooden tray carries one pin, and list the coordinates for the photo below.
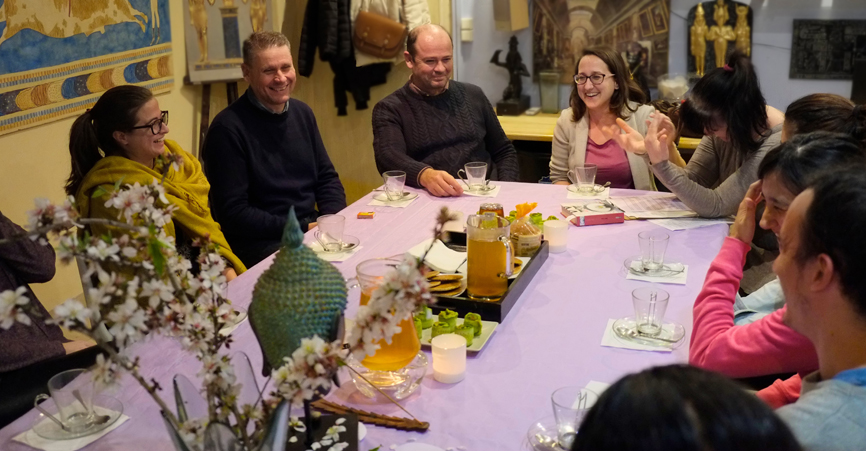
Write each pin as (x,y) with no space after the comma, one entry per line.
(496,310)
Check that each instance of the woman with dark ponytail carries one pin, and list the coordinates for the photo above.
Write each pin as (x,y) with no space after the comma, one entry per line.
(739,128)
(119,139)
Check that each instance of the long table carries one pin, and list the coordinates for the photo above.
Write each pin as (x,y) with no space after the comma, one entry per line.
(551,338)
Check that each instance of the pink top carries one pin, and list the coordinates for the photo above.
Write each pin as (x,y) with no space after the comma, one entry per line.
(612,164)
(766,346)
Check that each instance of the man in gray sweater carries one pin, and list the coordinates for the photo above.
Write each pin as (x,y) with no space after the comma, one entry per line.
(821,269)
(432,126)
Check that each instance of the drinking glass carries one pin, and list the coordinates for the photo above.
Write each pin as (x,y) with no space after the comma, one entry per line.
(584,177)
(72,392)
(476,173)
(405,344)
(570,405)
(653,245)
(489,256)
(650,304)
(394,182)
(330,232)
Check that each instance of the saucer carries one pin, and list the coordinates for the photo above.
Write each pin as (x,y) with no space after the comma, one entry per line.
(349,242)
(672,334)
(542,436)
(102,405)
(596,189)
(484,189)
(382,197)
(634,266)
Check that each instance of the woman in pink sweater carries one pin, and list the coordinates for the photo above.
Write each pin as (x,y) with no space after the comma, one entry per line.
(766,346)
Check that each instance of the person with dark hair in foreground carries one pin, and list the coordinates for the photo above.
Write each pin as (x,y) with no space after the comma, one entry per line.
(740,128)
(681,408)
(432,126)
(821,267)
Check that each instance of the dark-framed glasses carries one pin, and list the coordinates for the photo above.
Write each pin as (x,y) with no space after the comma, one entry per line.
(155,126)
(596,79)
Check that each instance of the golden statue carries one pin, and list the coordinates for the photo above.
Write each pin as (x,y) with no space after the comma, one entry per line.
(743,31)
(198,19)
(698,35)
(720,33)
(258,14)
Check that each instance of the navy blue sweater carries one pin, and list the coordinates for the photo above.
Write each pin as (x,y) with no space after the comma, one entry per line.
(259,164)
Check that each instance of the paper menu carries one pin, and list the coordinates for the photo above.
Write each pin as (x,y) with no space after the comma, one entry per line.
(655,206)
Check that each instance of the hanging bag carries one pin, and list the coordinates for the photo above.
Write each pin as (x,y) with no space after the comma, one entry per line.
(378,35)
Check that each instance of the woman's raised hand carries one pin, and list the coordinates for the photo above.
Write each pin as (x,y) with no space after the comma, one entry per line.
(743,227)
(657,138)
(630,139)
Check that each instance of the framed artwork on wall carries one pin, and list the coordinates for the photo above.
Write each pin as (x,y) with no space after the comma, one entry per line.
(659,18)
(646,28)
(58,57)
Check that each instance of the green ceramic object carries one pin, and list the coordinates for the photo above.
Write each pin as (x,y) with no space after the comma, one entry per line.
(299,296)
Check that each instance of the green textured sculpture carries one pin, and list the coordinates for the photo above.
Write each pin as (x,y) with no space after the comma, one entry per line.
(299,296)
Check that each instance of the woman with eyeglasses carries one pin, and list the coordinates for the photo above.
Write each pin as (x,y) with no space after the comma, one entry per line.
(119,140)
(588,132)
(739,128)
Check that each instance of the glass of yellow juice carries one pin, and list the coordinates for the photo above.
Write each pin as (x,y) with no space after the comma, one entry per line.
(405,344)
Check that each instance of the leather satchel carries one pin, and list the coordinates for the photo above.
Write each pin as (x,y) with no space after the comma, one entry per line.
(378,35)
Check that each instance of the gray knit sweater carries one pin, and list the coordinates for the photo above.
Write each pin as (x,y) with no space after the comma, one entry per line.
(829,416)
(412,132)
(717,177)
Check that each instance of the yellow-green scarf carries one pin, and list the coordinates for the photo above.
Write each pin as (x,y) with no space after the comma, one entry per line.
(186,188)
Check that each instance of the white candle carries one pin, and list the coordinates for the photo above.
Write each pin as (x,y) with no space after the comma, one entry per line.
(449,358)
(556,234)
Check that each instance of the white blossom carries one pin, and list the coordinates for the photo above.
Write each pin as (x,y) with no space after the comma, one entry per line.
(105,372)
(127,322)
(10,307)
(102,251)
(71,313)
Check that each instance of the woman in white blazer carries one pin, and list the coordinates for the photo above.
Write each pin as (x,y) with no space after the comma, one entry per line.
(603,101)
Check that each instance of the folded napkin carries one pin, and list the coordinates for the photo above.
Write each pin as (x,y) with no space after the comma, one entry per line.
(604,194)
(33,440)
(492,193)
(610,340)
(440,258)
(678,278)
(395,204)
(332,256)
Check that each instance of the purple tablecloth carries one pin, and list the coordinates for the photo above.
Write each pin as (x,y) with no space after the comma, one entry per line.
(551,338)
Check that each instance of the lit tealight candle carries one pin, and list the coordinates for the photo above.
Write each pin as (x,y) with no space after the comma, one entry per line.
(449,358)
(556,234)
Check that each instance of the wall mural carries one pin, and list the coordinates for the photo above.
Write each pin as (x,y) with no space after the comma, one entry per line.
(214,33)
(57,57)
(636,28)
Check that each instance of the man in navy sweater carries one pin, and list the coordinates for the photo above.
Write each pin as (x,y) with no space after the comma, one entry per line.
(432,126)
(263,154)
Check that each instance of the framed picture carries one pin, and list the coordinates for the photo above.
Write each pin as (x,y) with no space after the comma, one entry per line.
(659,18)
(646,28)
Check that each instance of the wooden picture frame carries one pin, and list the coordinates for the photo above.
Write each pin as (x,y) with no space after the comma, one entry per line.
(646,27)
(659,20)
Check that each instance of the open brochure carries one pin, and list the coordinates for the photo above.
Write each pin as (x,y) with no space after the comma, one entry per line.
(653,206)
